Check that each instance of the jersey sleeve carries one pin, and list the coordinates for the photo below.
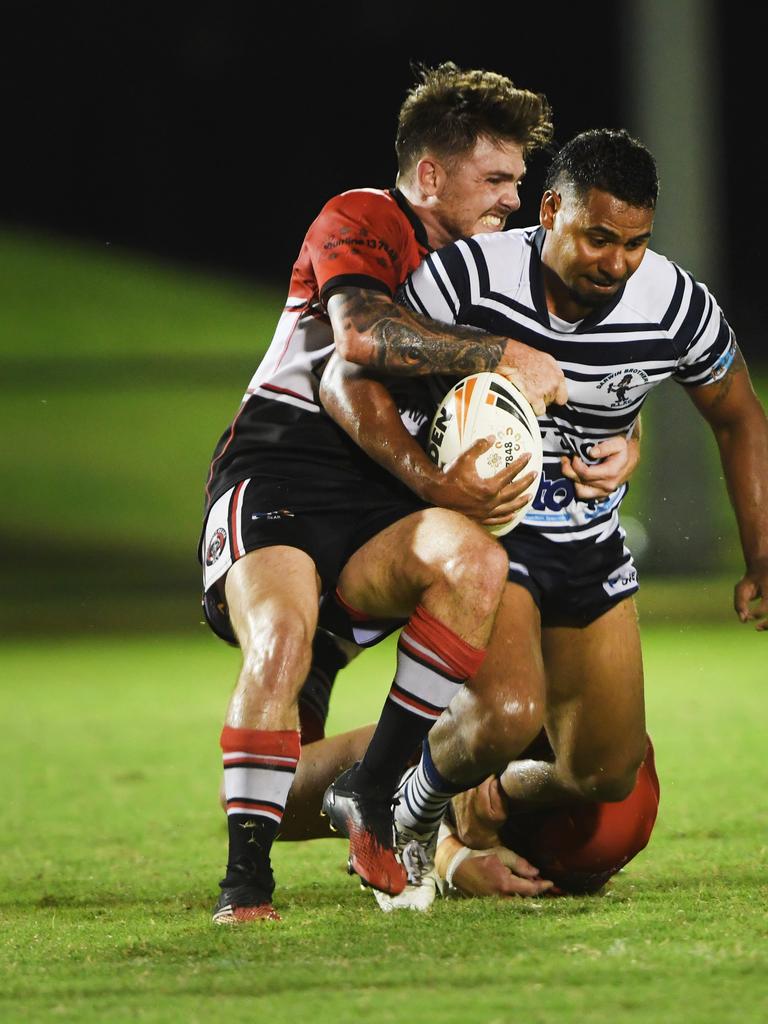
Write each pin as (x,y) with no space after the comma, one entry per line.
(359,239)
(440,287)
(709,349)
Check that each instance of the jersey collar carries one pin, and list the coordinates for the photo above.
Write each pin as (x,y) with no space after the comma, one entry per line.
(540,300)
(418,228)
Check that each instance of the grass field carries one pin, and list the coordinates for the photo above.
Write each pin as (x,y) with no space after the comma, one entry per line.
(111,844)
(121,373)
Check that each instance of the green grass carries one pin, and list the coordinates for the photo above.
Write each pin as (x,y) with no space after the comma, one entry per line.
(69,300)
(111,843)
(119,375)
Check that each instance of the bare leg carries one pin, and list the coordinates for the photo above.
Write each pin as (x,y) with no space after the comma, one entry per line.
(497,713)
(448,575)
(272,595)
(595,715)
(273,598)
(435,558)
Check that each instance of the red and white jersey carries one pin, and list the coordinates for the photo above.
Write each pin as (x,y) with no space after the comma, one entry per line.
(365,238)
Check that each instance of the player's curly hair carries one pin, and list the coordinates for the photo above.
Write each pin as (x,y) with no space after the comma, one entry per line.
(450,109)
(610,160)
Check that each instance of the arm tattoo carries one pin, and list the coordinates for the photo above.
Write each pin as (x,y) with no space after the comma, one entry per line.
(408,344)
(417,349)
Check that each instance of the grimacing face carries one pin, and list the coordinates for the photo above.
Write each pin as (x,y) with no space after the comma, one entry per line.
(594,244)
(479,191)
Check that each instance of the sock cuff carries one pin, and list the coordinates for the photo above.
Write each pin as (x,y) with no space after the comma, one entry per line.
(340,619)
(273,743)
(462,658)
(437,781)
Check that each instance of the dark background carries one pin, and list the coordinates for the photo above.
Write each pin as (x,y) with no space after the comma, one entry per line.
(203,136)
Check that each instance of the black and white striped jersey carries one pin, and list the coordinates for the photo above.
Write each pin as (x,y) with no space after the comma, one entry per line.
(661,324)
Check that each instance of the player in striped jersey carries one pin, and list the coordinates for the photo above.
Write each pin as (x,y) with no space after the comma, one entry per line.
(290,501)
(620,319)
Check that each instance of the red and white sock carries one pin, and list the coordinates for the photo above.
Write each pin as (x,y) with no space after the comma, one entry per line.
(259,768)
(432,665)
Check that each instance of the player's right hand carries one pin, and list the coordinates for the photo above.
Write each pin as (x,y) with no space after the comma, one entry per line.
(499,872)
(615,460)
(490,500)
(750,599)
(536,373)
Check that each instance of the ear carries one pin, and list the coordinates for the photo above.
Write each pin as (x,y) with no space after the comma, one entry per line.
(430,176)
(550,204)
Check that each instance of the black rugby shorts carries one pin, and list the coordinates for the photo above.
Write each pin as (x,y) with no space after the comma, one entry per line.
(572,582)
(258,514)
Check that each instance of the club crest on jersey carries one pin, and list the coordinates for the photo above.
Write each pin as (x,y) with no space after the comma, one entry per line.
(216,546)
(622,384)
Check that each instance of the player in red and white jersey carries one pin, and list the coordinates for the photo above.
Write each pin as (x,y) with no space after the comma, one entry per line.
(367,239)
(293,508)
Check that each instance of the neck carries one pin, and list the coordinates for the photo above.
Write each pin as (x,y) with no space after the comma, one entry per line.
(424,208)
(560,300)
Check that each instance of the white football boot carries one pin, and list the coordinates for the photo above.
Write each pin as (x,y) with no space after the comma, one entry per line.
(417,854)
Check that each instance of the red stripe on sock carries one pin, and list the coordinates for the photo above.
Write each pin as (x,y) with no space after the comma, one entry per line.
(411,701)
(254,808)
(278,743)
(406,643)
(256,761)
(462,658)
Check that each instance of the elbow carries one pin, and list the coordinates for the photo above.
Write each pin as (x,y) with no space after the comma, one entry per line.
(352,347)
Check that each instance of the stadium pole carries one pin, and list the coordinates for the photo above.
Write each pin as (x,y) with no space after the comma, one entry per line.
(673,105)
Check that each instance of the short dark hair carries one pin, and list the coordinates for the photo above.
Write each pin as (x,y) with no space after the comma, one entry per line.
(450,109)
(609,160)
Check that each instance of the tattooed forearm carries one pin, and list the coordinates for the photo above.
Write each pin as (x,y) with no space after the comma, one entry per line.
(410,349)
(398,341)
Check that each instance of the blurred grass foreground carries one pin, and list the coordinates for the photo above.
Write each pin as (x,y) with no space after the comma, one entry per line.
(119,375)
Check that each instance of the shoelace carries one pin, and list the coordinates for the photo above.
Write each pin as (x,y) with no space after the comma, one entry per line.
(415,860)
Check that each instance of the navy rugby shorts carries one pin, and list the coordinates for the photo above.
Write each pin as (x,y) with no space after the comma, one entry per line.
(572,582)
(258,514)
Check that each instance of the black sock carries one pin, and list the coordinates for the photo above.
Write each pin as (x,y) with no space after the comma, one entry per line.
(250,840)
(327,661)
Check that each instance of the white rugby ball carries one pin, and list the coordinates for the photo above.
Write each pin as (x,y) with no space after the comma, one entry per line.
(484,405)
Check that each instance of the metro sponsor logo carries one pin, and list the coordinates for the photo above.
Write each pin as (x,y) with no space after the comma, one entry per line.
(554,495)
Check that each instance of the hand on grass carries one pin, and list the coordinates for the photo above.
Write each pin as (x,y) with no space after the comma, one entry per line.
(499,872)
